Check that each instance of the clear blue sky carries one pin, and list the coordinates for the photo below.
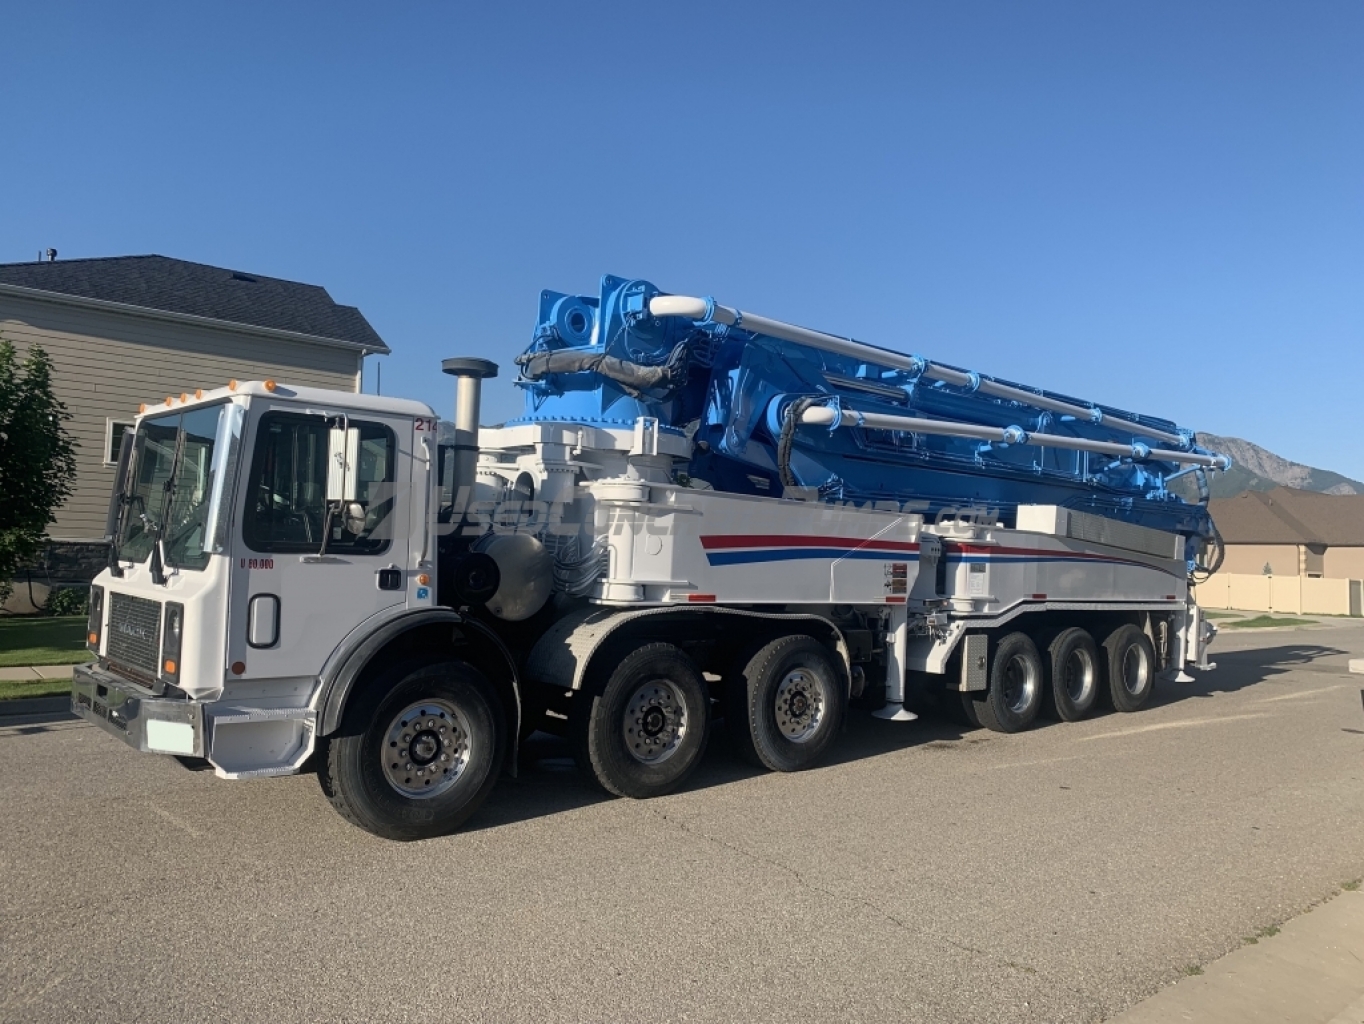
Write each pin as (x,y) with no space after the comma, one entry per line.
(1156,205)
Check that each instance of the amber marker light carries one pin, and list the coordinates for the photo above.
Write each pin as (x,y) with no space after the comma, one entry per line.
(93,638)
(232,385)
(270,385)
(170,400)
(198,392)
(169,667)
(184,396)
(423,579)
(142,408)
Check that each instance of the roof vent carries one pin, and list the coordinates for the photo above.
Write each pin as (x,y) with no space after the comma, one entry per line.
(243,277)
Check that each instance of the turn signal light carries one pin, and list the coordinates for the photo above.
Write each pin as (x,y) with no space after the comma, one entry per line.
(169,667)
(95,622)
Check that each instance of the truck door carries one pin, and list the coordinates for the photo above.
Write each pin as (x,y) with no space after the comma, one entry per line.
(292,602)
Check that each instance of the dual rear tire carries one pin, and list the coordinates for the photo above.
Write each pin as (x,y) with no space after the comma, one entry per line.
(1013,697)
(1074,675)
(1071,679)
(1131,664)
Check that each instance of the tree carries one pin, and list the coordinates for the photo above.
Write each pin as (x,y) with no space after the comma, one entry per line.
(37,457)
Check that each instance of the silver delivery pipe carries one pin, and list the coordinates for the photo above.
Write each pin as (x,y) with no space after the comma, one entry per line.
(707,310)
(833,418)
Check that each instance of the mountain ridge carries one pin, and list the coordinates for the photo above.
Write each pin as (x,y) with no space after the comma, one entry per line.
(1258,469)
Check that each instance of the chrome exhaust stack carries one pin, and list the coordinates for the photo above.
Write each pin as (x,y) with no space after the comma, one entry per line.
(469,373)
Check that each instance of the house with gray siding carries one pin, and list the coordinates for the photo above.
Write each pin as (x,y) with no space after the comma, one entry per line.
(126,330)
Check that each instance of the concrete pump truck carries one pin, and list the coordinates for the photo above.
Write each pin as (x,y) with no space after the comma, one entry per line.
(703,514)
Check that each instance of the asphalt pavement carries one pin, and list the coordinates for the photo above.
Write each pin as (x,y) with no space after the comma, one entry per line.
(926,873)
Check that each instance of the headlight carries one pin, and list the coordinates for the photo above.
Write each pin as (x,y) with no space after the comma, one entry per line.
(172,632)
(94,627)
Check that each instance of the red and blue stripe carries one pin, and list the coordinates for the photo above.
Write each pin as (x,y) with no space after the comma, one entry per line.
(746,548)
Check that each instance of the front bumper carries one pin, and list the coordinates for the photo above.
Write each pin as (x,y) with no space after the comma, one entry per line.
(122,708)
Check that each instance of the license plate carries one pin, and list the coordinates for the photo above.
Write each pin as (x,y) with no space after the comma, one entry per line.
(170,737)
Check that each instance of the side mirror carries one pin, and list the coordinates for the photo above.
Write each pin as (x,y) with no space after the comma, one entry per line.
(354,518)
(343,448)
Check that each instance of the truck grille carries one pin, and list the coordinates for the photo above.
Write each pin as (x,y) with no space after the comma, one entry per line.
(134,633)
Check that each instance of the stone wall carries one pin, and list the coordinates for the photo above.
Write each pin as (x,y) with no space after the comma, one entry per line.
(61,564)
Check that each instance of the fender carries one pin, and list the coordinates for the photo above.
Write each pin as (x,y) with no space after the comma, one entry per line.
(344,667)
(561,656)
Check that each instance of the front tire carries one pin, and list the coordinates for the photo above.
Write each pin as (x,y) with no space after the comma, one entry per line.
(787,704)
(1015,694)
(1131,668)
(416,758)
(644,730)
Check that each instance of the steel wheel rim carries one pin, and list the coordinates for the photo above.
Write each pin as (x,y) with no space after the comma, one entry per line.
(1078,675)
(427,747)
(1020,684)
(655,721)
(799,705)
(1136,672)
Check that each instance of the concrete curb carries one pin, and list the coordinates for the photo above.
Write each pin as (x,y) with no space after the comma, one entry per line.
(33,706)
(25,673)
(1309,972)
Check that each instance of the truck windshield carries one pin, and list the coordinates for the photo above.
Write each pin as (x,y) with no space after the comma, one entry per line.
(183,468)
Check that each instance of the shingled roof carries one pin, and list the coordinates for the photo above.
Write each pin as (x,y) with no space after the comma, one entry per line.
(1287,515)
(195,289)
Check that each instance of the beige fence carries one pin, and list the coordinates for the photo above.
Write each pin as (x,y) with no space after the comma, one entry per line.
(1297,594)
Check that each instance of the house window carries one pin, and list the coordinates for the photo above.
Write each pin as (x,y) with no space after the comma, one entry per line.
(113,439)
(1314,560)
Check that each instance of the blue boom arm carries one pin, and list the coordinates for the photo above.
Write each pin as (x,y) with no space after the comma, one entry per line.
(739,390)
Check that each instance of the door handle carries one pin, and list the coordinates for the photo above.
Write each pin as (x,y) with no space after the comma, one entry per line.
(262,621)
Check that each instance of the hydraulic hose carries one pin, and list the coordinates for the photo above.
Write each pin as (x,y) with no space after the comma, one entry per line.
(789,423)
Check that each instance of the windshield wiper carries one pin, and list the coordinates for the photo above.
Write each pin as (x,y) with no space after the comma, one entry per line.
(160,559)
(119,503)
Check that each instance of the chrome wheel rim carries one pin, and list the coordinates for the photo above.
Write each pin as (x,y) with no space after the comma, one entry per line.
(1078,675)
(426,749)
(1136,671)
(1020,684)
(799,705)
(655,722)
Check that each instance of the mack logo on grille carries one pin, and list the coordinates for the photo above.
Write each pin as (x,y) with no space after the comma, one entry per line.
(134,632)
(137,631)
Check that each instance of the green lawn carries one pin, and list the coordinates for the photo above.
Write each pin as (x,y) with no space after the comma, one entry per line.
(43,641)
(1212,613)
(17,689)
(1260,621)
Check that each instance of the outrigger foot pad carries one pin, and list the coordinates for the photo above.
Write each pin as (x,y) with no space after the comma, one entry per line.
(895,712)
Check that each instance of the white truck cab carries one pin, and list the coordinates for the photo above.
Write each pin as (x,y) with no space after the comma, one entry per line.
(233,578)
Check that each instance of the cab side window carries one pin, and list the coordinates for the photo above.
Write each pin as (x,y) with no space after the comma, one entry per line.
(286,508)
